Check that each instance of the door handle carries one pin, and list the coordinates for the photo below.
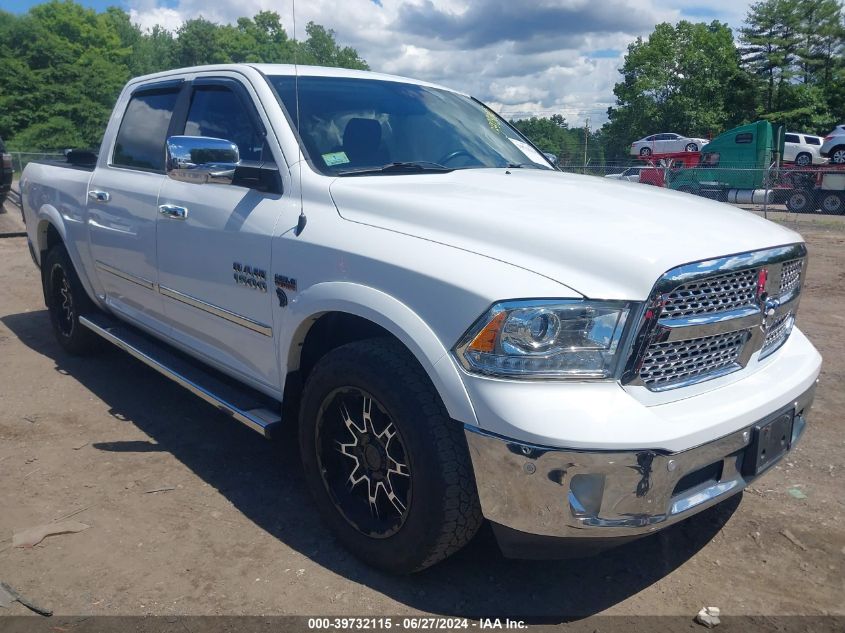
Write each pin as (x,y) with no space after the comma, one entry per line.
(172,211)
(99,196)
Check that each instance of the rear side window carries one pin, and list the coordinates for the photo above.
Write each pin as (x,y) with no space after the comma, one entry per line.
(217,112)
(744,138)
(140,140)
(791,138)
(812,140)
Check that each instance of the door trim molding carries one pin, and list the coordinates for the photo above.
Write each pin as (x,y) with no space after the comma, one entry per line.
(217,311)
(199,304)
(135,279)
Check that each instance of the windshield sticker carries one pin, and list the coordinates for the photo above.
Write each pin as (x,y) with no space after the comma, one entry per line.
(532,154)
(492,121)
(335,158)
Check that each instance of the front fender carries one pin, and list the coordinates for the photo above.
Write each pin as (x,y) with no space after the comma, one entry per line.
(389,313)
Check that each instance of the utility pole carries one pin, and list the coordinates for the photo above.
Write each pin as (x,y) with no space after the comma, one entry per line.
(586,140)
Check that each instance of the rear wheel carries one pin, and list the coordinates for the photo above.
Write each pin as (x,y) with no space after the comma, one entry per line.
(803,159)
(837,156)
(832,203)
(66,301)
(389,471)
(800,201)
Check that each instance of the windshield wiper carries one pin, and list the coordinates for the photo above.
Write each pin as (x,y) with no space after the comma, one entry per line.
(416,167)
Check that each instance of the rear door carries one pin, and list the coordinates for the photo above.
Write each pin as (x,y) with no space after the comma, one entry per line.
(215,261)
(122,204)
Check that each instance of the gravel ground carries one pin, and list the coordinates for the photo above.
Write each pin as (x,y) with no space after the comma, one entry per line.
(231,530)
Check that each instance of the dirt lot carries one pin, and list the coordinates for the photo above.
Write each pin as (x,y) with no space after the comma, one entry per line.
(233,531)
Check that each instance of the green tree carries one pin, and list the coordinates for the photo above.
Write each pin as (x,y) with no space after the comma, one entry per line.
(64,65)
(684,78)
(771,40)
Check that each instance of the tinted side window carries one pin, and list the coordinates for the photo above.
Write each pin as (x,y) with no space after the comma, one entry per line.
(744,138)
(812,140)
(217,112)
(792,138)
(140,139)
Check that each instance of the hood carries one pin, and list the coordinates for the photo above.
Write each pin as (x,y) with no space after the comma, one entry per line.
(605,239)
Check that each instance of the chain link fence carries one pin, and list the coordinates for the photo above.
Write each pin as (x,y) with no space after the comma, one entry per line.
(776,189)
(22,159)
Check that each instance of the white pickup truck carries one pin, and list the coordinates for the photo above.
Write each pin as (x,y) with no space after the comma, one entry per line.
(460,331)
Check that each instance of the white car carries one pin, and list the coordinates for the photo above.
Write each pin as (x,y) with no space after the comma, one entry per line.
(632,174)
(666,143)
(833,146)
(454,329)
(803,149)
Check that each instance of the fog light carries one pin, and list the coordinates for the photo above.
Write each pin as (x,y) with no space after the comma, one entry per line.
(585,493)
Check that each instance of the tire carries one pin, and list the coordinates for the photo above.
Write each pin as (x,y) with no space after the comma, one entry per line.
(832,203)
(804,159)
(645,151)
(411,504)
(800,201)
(66,301)
(837,155)
(691,147)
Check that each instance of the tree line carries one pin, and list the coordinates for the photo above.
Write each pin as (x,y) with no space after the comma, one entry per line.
(785,65)
(63,65)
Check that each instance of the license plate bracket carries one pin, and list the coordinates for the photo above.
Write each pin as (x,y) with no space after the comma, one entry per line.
(769,442)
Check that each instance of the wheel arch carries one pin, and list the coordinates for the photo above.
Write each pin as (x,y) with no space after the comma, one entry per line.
(334,313)
(50,230)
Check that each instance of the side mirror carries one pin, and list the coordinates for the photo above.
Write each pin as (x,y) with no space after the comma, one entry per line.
(552,158)
(201,159)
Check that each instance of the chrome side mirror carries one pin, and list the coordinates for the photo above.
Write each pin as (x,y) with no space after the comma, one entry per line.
(552,158)
(201,159)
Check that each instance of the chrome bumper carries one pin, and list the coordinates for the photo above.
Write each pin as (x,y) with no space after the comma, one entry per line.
(566,493)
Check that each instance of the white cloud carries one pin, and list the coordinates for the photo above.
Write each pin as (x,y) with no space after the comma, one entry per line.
(519,57)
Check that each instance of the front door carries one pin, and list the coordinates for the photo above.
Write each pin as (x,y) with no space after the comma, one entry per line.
(214,257)
(122,210)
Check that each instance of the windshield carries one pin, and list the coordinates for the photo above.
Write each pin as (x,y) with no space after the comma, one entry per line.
(351,125)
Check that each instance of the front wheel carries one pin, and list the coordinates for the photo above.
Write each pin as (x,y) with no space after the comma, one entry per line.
(389,470)
(691,147)
(645,151)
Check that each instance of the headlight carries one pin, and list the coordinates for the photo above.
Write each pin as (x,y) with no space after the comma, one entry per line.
(546,339)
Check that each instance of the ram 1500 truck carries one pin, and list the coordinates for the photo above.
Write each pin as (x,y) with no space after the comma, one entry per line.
(458,331)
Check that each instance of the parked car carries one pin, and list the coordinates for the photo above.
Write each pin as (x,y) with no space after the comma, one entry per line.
(456,330)
(632,174)
(6,173)
(803,149)
(666,143)
(834,146)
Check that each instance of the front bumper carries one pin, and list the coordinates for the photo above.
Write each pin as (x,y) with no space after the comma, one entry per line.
(551,492)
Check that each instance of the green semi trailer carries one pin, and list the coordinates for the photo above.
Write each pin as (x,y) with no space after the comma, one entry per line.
(734,166)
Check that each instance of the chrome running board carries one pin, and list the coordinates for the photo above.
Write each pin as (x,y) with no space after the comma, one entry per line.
(241,402)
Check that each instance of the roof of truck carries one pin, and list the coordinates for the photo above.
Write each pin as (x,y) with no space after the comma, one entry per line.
(291,69)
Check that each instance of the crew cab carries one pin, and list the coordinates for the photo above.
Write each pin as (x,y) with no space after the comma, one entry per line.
(458,331)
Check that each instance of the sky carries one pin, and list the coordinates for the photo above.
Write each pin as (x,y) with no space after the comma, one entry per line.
(523,58)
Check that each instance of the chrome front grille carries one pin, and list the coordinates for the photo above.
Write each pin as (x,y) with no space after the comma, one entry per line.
(777,333)
(670,364)
(713,294)
(790,276)
(707,319)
